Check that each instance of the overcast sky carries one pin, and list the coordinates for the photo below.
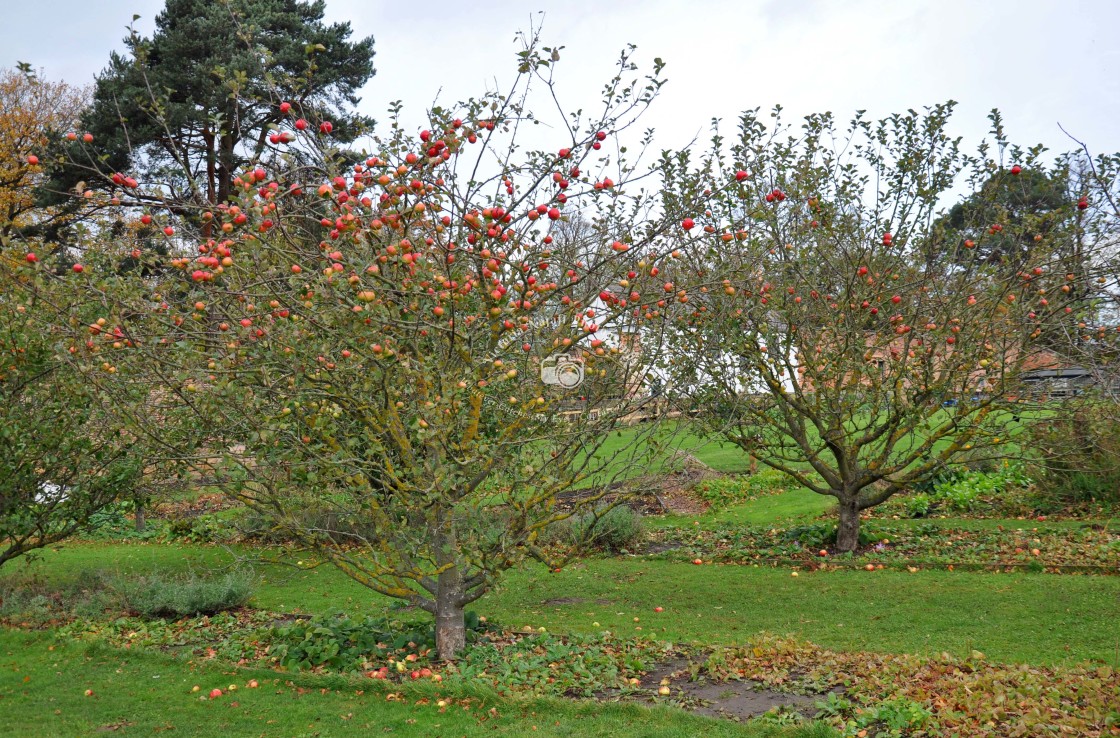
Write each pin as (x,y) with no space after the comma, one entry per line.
(1041,62)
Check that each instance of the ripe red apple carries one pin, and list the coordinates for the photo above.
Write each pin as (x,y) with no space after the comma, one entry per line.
(33,160)
(169,231)
(146,219)
(688,224)
(88,138)
(285,107)
(31,258)
(659,609)
(1016,169)
(215,693)
(698,562)
(253,684)
(78,268)
(89,693)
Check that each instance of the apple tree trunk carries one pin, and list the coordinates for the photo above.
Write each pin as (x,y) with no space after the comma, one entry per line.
(847,535)
(451,629)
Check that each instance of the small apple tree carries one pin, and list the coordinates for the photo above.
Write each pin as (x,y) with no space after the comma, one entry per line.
(829,331)
(385,358)
(64,458)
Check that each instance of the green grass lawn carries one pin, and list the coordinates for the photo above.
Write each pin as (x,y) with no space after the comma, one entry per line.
(720,456)
(1030,618)
(43,683)
(792,507)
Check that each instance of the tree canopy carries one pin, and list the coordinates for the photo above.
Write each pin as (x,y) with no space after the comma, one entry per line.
(190,105)
(812,327)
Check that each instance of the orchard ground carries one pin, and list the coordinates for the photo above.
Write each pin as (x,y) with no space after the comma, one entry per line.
(1053,607)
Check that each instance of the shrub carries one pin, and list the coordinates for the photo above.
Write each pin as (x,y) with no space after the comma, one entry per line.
(341,643)
(918,506)
(1079,454)
(612,530)
(157,595)
(112,523)
(206,528)
(723,491)
(957,490)
(36,601)
(896,717)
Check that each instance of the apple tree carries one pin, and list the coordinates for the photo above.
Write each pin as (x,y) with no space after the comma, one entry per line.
(395,361)
(65,458)
(825,322)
